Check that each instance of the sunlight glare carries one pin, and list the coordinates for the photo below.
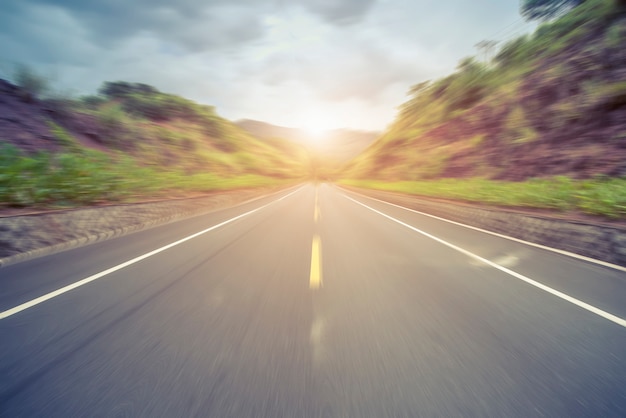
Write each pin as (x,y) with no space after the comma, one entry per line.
(315,125)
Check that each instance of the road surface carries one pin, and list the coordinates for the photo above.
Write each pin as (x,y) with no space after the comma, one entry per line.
(313,302)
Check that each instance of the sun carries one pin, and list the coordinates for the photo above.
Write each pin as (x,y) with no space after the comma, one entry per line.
(315,132)
(315,125)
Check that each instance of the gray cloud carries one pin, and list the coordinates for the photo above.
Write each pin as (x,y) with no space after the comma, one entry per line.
(275,59)
(193,24)
(339,12)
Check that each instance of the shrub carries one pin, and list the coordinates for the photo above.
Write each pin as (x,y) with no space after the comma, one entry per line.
(517,127)
(32,83)
(92,101)
(117,127)
(616,35)
(64,137)
(514,52)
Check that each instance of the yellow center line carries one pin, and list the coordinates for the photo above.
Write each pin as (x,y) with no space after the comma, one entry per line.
(315,279)
(316,211)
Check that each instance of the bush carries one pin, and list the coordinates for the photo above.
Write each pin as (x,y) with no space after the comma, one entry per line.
(92,101)
(517,128)
(117,127)
(616,35)
(64,137)
(61,178)
(32,83)
(514,52)
(469,85)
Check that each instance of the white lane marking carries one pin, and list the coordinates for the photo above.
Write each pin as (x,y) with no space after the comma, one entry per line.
(96,276)
(543,247)
(579,303)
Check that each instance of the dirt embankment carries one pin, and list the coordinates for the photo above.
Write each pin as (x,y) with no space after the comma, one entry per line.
(25,122)
(581,133)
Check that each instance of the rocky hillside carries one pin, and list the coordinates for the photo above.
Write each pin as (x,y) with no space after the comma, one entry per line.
(154,128)
(549,104)
(130,142)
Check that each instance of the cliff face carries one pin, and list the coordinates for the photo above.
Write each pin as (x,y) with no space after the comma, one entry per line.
(553,103)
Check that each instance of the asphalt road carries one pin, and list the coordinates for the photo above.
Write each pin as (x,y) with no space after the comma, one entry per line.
(315,302)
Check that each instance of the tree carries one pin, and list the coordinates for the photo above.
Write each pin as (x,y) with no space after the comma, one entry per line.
(546,9)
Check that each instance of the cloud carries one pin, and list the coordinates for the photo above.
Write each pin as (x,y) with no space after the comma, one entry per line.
(339,12)
(352,60)
(195,25)
(46,34)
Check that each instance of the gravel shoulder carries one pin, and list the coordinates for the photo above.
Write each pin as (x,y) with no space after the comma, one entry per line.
(578,234)
(31,233)
(28,233)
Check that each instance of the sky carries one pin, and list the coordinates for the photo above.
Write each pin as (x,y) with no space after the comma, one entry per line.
(312,64)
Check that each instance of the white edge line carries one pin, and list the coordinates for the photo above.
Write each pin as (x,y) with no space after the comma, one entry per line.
(521,241)
(53,294)
(579,303)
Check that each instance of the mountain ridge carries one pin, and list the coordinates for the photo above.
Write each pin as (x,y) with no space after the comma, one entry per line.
(340,145)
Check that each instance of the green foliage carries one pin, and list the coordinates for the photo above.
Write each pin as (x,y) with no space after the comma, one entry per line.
(160,107)
(92,101)
(546,9)
(555,36)
(514,52)
(117,125)
(468,85)
(64,137)
(432,103)
(431,165)
(61,178)
(121,89)
(517,127)
(609,96)
(616,35)
(144,101)
(604,197)
(89,177)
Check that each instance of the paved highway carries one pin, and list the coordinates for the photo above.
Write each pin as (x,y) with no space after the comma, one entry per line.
(314,302)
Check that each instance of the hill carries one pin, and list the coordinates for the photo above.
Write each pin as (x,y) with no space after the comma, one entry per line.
(129,140)
(549,104)
(337,145)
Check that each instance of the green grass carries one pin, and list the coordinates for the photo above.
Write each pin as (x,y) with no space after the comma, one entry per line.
(601,196)
(88,177)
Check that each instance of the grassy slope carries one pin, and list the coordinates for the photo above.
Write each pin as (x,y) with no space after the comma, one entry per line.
(457,134)
(157,145)
(604,197)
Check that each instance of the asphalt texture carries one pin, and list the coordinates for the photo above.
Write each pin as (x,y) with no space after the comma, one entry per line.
(245,320)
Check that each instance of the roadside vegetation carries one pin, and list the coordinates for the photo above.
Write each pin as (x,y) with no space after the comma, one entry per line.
(77,178)
(539,123)
(544,104)
(603,196)
(132,142)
